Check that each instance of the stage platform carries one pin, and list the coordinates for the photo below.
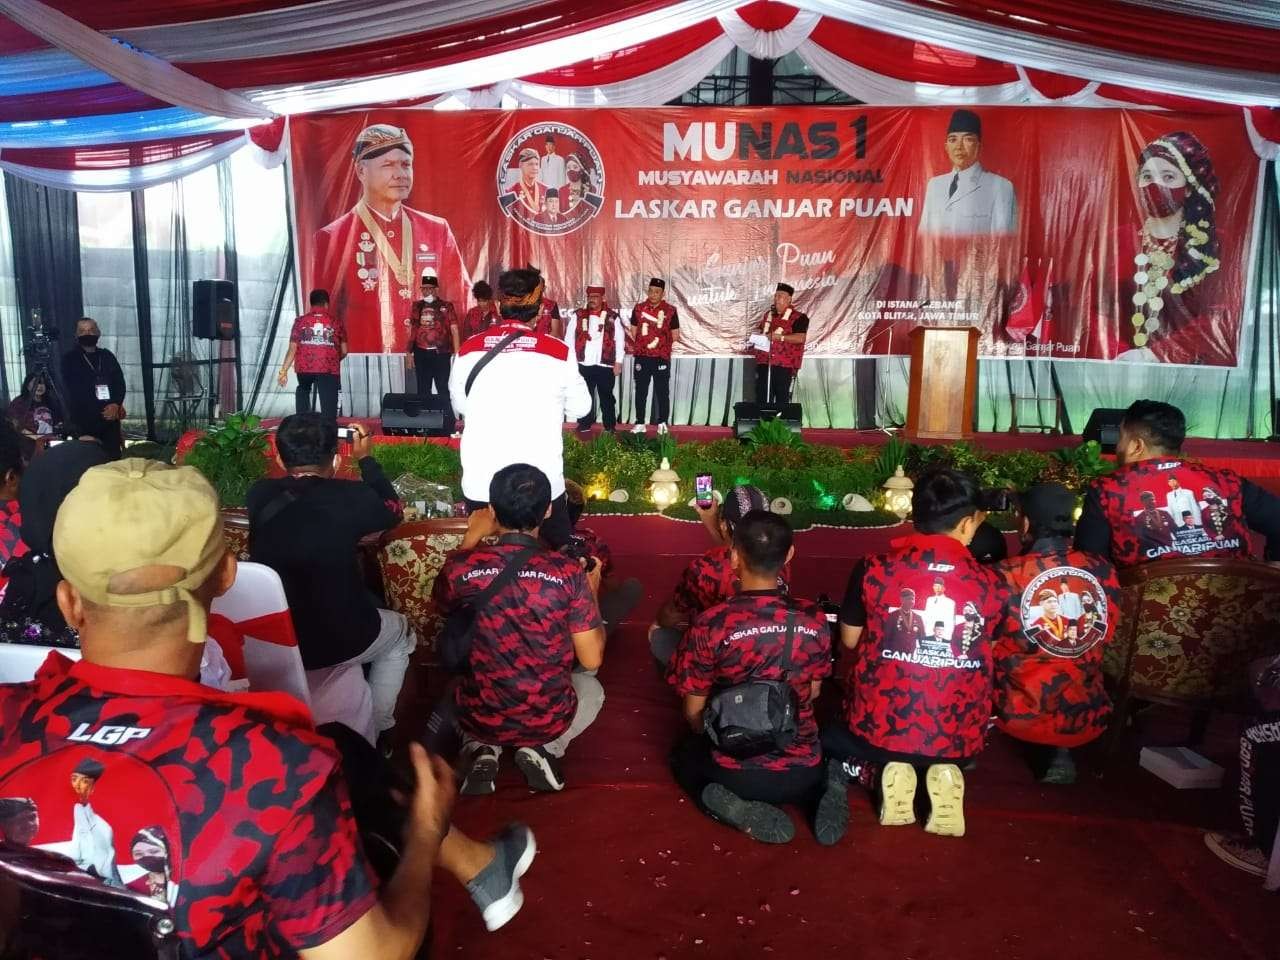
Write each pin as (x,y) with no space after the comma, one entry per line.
(1254,459)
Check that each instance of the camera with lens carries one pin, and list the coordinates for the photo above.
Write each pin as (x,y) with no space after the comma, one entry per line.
(577,548)
(41,339)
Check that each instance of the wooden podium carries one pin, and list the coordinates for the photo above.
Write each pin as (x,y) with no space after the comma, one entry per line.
(943,385)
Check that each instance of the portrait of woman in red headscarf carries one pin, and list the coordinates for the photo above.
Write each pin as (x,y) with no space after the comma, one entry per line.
(1169,259)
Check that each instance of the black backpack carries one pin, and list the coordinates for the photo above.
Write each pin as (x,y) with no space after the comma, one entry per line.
(758,716)
(454,645)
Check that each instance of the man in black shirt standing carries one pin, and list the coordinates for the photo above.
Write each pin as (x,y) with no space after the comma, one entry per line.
(95,388)
(307,527)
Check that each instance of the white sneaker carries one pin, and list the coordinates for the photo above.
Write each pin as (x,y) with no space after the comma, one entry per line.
(638,428)
(662,430)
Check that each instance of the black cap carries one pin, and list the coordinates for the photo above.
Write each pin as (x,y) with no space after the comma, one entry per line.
(658,282)
(786,288)
(552,192)
(430,278)
(1049,507)
(965,121)
(90,768)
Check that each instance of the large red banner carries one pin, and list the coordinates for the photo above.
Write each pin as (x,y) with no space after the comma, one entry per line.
(1073,233)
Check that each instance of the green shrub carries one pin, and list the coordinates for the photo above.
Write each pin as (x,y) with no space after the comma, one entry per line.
(232,457)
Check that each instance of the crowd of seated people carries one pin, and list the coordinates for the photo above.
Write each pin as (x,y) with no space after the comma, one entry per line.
(939,639)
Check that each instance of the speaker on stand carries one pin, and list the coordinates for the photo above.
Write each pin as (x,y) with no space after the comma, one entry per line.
(215,316)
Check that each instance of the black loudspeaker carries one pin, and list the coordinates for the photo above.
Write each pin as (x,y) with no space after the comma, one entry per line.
(1104,426)
(746,415)
(215,313)
(411,415)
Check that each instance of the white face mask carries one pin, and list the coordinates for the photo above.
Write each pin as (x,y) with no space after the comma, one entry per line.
(430,298)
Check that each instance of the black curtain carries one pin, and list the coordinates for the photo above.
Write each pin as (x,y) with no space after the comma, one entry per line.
(46,260)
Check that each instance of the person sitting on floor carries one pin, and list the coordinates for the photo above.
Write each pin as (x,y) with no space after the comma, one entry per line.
(522,690)
(262,847)
(926,704)
(1155,485)
(616,599)
(709,579)
(307,527)
(1049,690)
(759,634)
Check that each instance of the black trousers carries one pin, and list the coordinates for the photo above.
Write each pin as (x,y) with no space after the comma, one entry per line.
(1260,780)
(600,386)
(840,742)
(325,384)
(555,531)
(694,768)
(655,371)
(773,388)
(431,368)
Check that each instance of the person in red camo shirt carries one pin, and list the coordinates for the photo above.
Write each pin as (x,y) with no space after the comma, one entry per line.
(709,579)
(1137,514)
(535,646)
(759,634)
(1049,690)
(928,706)
(261,854)
(484,314)
(317,345)
(786,329)
(654,328)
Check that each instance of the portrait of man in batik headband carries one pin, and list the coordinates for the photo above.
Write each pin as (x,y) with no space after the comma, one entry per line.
(371,258)
(1170,256)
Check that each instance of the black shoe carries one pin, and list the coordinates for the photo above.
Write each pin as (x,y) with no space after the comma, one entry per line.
(481,765)
(832,817)
(540,769)
(760,821)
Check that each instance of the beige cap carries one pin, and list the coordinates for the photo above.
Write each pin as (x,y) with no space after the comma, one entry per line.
(139,513)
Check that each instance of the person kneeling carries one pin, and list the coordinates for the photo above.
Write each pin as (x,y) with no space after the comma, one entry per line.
(521,689)
(586,546)
(920,686)
(1061,606)
(754,638)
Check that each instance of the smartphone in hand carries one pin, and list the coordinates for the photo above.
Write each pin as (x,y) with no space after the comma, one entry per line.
(702,488)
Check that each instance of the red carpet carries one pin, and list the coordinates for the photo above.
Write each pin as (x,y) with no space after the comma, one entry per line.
(1114,867)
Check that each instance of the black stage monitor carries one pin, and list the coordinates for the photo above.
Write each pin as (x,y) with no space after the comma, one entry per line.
(1104,426)
(411,415)
(746,415)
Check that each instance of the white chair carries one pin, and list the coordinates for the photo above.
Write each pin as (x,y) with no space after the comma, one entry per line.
(272,661)
(20,661)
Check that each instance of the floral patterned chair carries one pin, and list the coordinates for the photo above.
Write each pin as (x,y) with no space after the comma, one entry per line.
(235,529)
(1188,631)
(410,557)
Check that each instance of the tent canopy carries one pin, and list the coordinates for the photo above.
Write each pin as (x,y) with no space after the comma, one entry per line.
(115,96)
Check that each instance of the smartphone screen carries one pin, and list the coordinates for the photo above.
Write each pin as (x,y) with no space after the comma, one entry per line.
(702,490)
(344,433)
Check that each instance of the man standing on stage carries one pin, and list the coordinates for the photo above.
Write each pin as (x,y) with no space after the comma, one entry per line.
(786,329)
(654,329)
(370,257)
(549,323)
(95,388)
(433,340)
(484,314)
(599,344)
(316,348)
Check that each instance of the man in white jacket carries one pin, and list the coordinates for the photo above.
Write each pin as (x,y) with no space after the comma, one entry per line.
(968,199)
(525,386)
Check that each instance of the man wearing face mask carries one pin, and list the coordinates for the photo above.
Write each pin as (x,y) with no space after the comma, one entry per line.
(307,526)
(95,388)
(968,199)
(433,342)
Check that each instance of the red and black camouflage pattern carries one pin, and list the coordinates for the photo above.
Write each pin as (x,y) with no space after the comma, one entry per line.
(265,853)
(789,356)
(1145,511)
(1049,689)
(431,326)
(582,334)
(742,639)
(548,313)
(709,579)
(924,690)
(519,691)
(318,336)
(478,321)
(649,323)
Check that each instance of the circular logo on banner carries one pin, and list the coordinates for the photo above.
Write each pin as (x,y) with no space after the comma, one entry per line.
(550,179)
(1064,610)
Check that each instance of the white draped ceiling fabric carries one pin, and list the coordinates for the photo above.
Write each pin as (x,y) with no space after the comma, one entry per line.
(98,96)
